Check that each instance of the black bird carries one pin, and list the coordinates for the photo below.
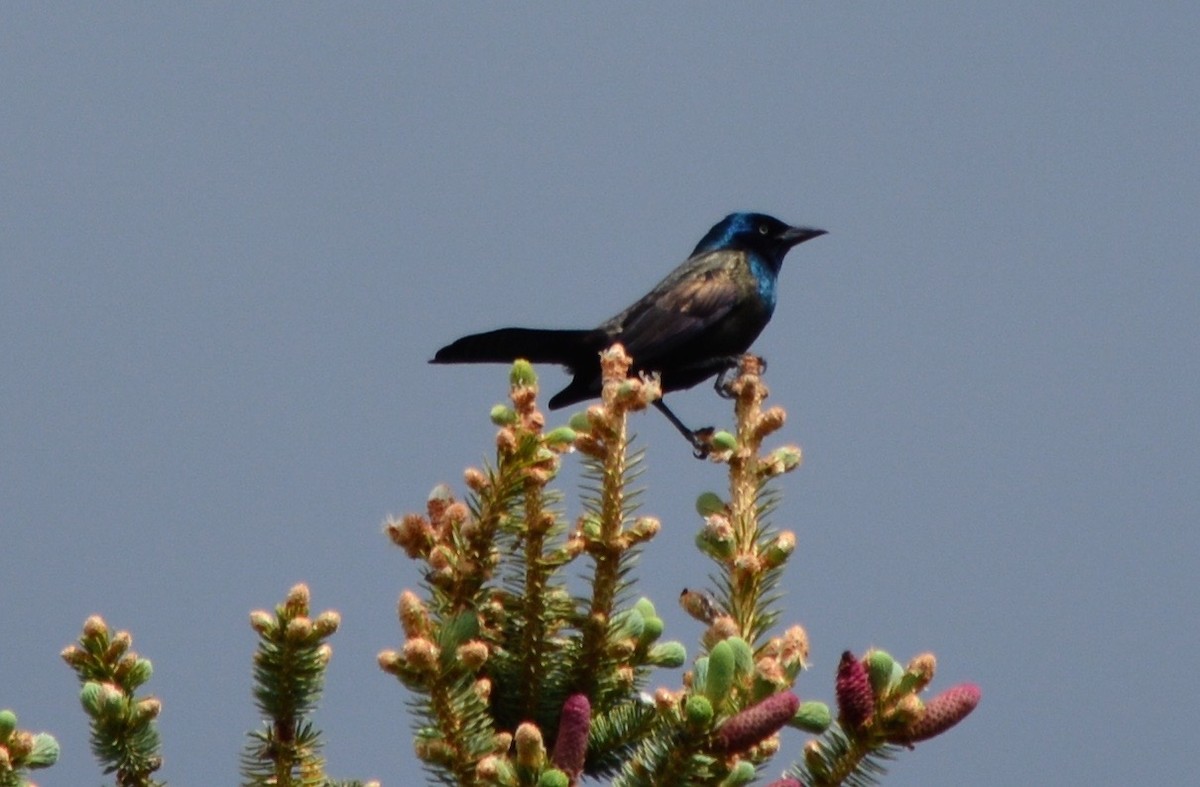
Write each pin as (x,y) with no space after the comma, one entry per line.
(694,324)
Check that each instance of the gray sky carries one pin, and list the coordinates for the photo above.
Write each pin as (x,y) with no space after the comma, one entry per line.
(230,238)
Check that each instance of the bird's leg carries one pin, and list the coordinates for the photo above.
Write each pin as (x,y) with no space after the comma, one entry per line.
(699,438)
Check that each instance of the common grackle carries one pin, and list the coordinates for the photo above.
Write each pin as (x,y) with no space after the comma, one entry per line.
(691,326)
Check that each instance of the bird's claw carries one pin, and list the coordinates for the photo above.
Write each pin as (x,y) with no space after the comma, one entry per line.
(723,385)
(701,440)
(729,373)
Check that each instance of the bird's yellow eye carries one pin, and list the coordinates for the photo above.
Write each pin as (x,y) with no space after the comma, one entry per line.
(763,229)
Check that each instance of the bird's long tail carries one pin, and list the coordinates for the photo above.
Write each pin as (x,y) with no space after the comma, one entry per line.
(538,345)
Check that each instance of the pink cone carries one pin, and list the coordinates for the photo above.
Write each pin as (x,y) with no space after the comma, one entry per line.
(942,712)
(757,722)
(856,701)
(570,747)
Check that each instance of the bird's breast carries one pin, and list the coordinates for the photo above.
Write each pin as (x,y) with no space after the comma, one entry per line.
(764,279)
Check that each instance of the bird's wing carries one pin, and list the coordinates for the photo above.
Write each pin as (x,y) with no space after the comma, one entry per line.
(693,297)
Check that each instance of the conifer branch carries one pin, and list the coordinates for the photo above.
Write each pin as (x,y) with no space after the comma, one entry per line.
(289,672)
(124,736)
(608,544)
(22,751)
(503,659)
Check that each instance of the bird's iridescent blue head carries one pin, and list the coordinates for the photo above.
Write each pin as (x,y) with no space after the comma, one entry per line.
(764,236)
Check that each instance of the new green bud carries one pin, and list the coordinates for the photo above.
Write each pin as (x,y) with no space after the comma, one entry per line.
(782,460)
(139,673)
(742,773)
(670,655)
(553,778)
(813,717)
(89,697)
(562,437)
(522,374)
(715,539)
(724,441)
(8,723)
(698,710)
(709,503)
(719,681)
(112,701)
(780,549)
(503,415)
(45,751)
(743,657)
(651,630)
(881,668)
(646,607)
(580,422)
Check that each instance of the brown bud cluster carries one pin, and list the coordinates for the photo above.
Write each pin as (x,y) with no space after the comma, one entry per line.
(923,667)
(473,654)
(531,752)
(414,616)
(475,479)
(95,627)
(793,648)
(771,420)
(413,533)
(769,670)
(667,700)
(421,654)
(722,628)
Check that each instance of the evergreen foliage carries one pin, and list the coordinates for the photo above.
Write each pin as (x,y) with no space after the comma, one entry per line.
(494,585)
(124,737)
(501,658)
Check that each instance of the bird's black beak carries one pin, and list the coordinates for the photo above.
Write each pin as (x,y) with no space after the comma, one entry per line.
(794,236)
